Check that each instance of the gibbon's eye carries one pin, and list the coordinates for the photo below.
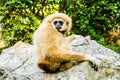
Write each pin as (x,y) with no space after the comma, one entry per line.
(61,22)
(55,22)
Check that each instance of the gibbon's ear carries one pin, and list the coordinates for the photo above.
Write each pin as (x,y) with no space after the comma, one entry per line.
(69,24)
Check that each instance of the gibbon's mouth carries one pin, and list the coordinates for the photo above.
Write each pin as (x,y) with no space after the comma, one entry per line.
(63,32)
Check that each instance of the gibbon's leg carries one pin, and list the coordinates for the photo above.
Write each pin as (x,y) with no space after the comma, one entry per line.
(66,55)
(48,66)
(65,66)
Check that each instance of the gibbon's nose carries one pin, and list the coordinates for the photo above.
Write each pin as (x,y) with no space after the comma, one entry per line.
(58,27)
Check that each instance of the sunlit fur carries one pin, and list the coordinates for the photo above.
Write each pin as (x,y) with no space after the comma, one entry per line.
(53,49)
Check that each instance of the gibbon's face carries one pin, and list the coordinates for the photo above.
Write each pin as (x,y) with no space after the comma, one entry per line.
(59,25)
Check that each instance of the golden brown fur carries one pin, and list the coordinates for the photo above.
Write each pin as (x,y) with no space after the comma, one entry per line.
(53,48)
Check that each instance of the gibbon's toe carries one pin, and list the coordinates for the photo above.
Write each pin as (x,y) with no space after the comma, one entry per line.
(94,65)
(93,62)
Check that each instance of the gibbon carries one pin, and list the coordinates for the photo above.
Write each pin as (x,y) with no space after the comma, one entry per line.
(53,49)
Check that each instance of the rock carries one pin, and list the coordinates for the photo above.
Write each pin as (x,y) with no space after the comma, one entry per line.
(18,63)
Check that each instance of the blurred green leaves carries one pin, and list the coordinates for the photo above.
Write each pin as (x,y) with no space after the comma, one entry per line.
(96,18)
(20,18)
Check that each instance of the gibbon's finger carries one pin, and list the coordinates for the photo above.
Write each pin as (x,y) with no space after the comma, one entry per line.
(93,65)
(93,61)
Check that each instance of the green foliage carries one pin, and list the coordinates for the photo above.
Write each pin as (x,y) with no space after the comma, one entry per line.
(95,18)
(113,47)
(91,17)
(20,18)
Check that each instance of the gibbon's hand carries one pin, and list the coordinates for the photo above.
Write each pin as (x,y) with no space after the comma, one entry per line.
(93,62)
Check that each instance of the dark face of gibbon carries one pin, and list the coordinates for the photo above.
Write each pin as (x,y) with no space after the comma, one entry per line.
(59,25)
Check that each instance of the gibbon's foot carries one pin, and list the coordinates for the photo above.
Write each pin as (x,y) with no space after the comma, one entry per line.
(74,63)
(93,65)
(93,62)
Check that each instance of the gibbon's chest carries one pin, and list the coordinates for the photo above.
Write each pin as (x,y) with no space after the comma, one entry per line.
(64,43)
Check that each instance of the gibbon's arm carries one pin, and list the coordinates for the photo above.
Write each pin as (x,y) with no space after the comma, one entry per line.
(65,55)
(71,38)
(66,43)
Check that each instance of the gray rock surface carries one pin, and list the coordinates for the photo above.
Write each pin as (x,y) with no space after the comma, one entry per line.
(18,63)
